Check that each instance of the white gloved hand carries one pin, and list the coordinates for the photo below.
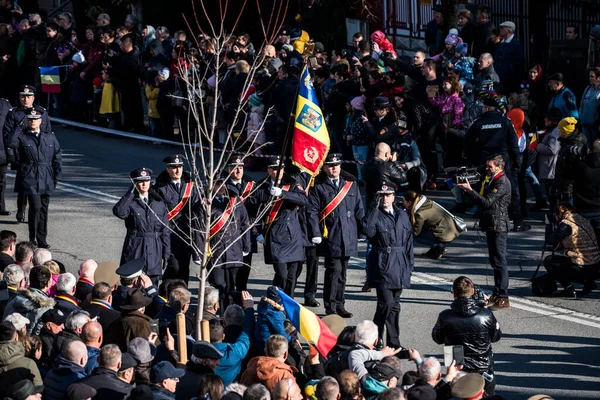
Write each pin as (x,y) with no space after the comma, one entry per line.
(275,191)
(316,240)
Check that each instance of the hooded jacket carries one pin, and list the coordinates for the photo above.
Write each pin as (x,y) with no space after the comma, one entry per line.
(269,321)
(473,327)
(63,374)
(373,388)
(32,304)
(266,370)
(426,214)
(12,356)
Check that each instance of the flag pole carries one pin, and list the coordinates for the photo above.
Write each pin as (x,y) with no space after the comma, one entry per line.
(291,121)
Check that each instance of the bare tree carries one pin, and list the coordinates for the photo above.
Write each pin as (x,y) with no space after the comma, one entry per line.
(200,128)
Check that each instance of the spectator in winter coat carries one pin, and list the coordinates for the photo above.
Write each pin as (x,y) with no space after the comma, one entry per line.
(382,41)
(356,134)
(548,149)
(563,98)
(12,355)
(436,31)
(204,359)
(104,379)
(486,71)
(271,368)
(466,28)
(270,319)
(483,30)
(588,109)
(233,353)
(509,58)
(67,369)
(33,302)
(462,64)
(91,335)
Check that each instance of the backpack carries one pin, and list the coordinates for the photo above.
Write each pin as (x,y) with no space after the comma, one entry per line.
(338,361)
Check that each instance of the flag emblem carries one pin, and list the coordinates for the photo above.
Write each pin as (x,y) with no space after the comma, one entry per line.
(310,118)
(311,154)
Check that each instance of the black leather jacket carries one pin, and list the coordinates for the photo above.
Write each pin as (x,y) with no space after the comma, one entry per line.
(376,171)
(473,327)
(494,204)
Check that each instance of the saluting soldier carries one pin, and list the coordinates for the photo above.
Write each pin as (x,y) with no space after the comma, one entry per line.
(130,277)
(284,237)
(145,214)
(243,187)
(390,261)
(229,240)
(335,212)
(16,119)
(39,160)
(177,189)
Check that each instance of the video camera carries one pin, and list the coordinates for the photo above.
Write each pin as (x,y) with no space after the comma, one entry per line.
(578,152)
(462,174)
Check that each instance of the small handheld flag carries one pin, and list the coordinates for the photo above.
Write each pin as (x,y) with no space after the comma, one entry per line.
(310,143)
(310,326)
(50,77)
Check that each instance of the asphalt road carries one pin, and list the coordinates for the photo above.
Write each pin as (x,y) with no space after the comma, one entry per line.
(549,345)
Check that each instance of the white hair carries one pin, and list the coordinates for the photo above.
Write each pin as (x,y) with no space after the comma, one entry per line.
(66,282)
(76,320)
(429,369)
(211,297)
(40,256)
(13,274)
(366,333)
(487,57)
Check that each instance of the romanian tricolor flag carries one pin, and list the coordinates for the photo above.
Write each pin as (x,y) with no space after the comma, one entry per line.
(310,326)
(310,143)
(533,141)
(50,77)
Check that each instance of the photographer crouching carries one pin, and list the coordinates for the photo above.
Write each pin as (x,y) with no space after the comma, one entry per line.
(581,259)
(494,221)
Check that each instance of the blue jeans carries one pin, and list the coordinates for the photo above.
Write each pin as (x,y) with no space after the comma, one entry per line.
(426,238)
(360,155)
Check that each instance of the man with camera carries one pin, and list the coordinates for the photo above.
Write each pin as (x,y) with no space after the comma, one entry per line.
(494,222)
(491,134)
(468,323)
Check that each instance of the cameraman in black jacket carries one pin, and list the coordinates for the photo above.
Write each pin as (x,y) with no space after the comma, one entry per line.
(494,222)
(491,134)
(381,168)
(474,327)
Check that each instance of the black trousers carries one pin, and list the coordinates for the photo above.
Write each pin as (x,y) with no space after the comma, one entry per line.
(335,283)
(21,204)
(427,146)
(38,217)
(3,169)
(496,242)
(183,254)
(243,273)
(312,273)
(387,315)
(286,275)
(562,269)
(223,279)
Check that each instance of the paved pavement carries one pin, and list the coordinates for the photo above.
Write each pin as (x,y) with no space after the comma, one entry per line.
(549,345)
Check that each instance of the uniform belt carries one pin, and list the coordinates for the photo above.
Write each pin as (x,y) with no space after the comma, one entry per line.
(144,234)
(388,249)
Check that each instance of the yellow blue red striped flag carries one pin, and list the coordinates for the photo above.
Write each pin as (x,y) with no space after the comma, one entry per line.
(310,143)
(50,77)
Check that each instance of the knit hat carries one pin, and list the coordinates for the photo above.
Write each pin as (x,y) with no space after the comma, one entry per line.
(273,294)
(141,349)
(453,31)
(18,321)
(358,103)
(254,100)
(462,48)
(164,74)
(275,63)
(567,126)
(452,39)
(78,57)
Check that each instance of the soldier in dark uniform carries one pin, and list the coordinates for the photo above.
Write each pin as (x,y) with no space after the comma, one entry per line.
(177,189)
(5,108)
(390,261)
(284,238)
(38,156)
(229,240)
(15,120)
(145,214)
(243,187)
(131,276)
(335,210)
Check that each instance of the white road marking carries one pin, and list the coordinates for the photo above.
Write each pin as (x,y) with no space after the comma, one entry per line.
(515,301)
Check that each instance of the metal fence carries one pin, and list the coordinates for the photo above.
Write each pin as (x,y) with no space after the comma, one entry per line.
(409,18)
